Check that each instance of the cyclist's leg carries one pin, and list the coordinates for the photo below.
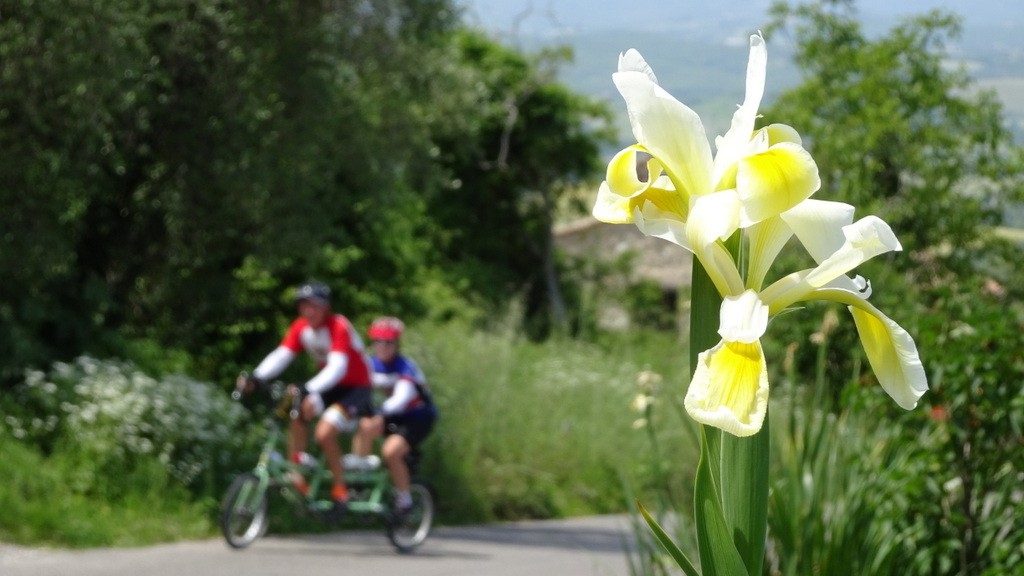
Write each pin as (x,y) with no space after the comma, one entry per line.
(346,404)
(327,436)
(394,451)
(297,436)
(370,427)
(403,434)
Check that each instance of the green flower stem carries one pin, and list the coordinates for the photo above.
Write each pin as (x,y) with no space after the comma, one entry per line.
(733,472)
(745,494)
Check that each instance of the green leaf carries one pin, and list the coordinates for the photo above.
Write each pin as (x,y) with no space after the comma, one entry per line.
(667,542)
(744,483)
(718,553)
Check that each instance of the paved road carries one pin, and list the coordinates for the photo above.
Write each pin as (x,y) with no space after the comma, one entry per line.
(582,546)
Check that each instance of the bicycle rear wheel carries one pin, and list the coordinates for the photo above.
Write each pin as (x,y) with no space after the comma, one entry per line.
(409,530)
(243,512)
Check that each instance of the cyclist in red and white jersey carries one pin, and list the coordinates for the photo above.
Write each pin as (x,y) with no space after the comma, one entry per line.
(340,392)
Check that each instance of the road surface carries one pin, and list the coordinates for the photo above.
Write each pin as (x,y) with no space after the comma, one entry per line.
(578,547)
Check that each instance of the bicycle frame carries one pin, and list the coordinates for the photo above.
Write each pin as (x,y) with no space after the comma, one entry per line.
(244,516)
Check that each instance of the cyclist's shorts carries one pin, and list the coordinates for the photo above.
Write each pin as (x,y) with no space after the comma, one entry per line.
(355,400)
(413,426)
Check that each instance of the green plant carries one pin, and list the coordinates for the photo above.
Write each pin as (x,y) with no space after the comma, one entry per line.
(965,508)
(533,429)
(40,507)
(111,417)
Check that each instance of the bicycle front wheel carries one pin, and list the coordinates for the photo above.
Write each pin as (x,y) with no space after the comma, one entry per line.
(408,530)
(243,512)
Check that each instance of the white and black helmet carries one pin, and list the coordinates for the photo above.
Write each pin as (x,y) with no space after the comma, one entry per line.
(314,292)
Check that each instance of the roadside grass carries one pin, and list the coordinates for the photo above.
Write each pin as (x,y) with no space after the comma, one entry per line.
(39,509)
(537,430)
(527,430)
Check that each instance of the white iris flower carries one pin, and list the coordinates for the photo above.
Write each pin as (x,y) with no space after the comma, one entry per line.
(758,184)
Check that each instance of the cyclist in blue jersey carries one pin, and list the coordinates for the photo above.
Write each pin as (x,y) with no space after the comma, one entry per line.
(408,414)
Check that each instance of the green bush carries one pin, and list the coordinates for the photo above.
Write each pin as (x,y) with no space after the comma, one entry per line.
(112,418)
(970,500)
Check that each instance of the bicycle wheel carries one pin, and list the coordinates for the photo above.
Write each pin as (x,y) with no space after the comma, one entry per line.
(409,530)
(243,512)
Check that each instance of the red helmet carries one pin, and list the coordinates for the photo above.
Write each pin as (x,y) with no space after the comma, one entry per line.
(386,328)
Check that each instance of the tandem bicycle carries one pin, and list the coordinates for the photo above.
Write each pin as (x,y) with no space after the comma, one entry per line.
(244,509)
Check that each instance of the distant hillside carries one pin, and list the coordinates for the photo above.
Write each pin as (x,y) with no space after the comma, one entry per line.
(700,55)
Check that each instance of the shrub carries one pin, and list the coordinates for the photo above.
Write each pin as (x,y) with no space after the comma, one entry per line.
(113,418)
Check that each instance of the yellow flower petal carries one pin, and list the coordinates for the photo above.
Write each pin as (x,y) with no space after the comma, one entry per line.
(611,207)
(774,181)
(729,389)
(782,133)
(892,354)
(622,174)
(633,179)
(891,351)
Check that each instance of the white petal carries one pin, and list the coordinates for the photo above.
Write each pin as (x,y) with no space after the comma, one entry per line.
(743,318)
(892,354)
(729,389)
(654,222)
(714,217)
(818,224)
(865,239)
(669,130)
(632,61)
(767,238)
(732,146)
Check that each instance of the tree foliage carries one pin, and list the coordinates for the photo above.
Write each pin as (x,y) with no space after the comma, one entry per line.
(896,130)
(171,168)
(536,139)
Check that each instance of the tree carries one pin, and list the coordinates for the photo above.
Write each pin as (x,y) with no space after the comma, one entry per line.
(153,149)
(895,131)
(535,140)
(172,168)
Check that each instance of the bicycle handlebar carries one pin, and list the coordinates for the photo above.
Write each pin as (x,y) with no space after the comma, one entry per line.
(281,393)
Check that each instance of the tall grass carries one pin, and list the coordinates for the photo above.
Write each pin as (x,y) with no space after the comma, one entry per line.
(39,506)
(537,430)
